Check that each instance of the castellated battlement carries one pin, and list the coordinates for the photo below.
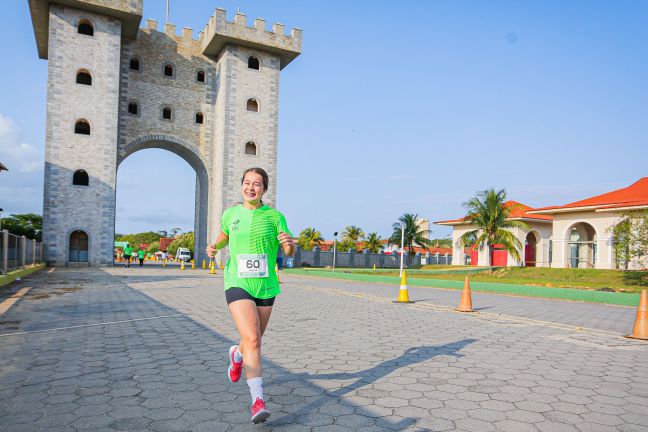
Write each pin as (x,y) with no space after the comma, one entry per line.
(186,38)
(219,32)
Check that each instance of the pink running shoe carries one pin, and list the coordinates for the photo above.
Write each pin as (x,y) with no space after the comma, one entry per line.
(235,368)
(259,412)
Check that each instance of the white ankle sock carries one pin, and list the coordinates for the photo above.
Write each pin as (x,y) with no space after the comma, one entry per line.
(256,388)
(238,357)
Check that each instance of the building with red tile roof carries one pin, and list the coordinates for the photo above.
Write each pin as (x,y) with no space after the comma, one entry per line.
(576,234)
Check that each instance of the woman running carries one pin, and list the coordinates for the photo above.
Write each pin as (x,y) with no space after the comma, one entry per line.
(254,233)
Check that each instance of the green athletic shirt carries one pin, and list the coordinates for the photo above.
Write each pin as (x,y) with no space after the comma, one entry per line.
(253,232)
(140,254)
(128,250)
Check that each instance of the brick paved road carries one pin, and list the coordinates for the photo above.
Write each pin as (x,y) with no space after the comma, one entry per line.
(144,349)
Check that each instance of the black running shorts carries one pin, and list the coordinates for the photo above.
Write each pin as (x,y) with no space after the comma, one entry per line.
(234,293)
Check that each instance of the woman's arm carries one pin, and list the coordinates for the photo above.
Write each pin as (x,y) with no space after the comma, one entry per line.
(220,243)
(287,243)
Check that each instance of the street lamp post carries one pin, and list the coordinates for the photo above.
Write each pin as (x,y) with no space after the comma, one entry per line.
(402,249)
(334,242)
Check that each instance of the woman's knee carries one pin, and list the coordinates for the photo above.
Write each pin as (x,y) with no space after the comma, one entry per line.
(252,340)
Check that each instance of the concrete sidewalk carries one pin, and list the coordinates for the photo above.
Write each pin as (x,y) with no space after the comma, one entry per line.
(145,349)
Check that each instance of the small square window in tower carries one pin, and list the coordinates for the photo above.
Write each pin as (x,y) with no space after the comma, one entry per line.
(84,77)
(134,64)
(250,148)
(80,178)
(200,76)
(253,63)
(168,70)
(132,108)
(82,127)
(166,113)
(200,119)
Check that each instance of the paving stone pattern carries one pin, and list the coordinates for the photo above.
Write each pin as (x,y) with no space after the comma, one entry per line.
(332,362)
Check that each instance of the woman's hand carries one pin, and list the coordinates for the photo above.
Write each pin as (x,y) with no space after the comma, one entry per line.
(287,243)
(211,251)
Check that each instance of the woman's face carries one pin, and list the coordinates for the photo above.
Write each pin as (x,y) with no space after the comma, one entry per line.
(252,188)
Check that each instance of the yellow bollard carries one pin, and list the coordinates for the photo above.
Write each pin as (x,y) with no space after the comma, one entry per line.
(182,265)
(163,263)
(403,294)
(193,265)
(204,266)
(212,267)
(374,267)
(221,265)
(277,272)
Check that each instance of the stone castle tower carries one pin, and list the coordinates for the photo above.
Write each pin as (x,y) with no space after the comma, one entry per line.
(115,88)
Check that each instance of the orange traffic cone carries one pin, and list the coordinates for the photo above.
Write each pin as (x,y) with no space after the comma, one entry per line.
(403,293)
(640,329)
(465,305)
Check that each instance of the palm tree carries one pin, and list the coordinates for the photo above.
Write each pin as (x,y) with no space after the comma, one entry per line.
(372,242)
(309,238)
(353,233)
(414,235)
(489,213)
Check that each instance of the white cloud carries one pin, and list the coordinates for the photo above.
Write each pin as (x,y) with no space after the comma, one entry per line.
(23,157)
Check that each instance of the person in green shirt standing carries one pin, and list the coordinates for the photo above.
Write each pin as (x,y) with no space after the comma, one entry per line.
(140,257)
(254,232)
(128,251)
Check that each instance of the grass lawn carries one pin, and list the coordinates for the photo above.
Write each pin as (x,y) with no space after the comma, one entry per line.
(607,280)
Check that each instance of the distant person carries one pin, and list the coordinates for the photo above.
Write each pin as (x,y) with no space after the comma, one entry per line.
(140,256)
(254,233)
(128,251)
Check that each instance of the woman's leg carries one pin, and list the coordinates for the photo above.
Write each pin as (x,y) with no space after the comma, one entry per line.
(248,324)
(264,317)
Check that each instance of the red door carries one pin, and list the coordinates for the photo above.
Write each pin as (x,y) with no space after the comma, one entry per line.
(474,256)
(499,256)
(529,255)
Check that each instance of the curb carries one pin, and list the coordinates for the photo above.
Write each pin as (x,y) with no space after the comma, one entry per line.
(12,276)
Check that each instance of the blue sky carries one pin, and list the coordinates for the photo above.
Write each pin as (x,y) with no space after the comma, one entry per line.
(393,107)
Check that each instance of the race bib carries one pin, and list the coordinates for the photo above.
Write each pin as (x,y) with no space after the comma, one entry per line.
(252,265)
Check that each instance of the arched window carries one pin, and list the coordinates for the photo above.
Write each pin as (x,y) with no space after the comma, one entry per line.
(253,63)
(253,105)
(134,64)
(85,28)
(78,246)
(82,127)
(200,76)
(166,113)
(80,178)
(168,70)
(133,108)
(250,148)
(84,77)
(200,119)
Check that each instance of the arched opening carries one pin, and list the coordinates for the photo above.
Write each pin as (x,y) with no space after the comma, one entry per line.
(253,63)
(166,113)
(168,70)
(133,108)
(530,249)
(581,246)
(250,148)
(78,247)
(252,105)
(134,64)
(200,118)
(83,77)
(80,178)
(85,28)
(82,127)
(171,168)
(200,76)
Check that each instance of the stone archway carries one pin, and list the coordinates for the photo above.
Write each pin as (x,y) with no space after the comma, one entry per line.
(192,155)
(531,249)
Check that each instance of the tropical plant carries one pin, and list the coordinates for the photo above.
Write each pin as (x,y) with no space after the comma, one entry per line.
(183,240)
(309,238)
(345,244)
(488,212)
(153,247)
(140,238)
(414,235)
(353,233)
(372,242)
(29,225)
(631,239)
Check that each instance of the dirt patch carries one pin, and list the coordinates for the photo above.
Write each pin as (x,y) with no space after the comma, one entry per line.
(56,292)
